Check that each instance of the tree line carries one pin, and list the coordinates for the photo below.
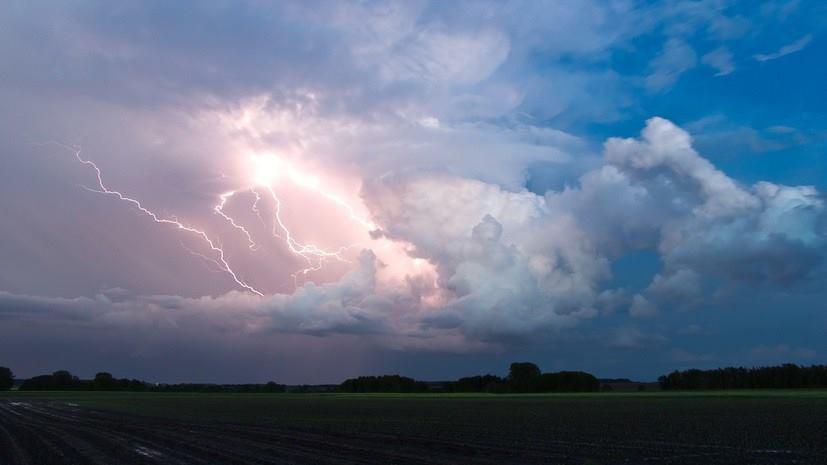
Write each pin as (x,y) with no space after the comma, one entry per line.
(787,376)
(63,380)
(386,383)
(522,377)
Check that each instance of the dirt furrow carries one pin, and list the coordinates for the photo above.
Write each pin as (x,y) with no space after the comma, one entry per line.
(48,432)
(94,440)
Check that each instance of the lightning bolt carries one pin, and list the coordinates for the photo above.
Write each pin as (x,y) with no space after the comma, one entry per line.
(219,210)
(221,260)
(255,206)
(314,256)
(268,167)
(208,260)
(312,183)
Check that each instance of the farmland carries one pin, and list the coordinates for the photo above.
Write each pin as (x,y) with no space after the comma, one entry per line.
(749,427)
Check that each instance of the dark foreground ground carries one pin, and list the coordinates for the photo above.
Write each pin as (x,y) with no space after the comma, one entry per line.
(100,428)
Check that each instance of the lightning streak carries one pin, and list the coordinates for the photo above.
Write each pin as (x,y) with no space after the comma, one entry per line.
(221,261)
(312,183)
(268,167)
(313,255)
(219,210)
(255,206)
(208,260)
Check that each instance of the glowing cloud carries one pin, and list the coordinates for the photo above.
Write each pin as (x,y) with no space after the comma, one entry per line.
(268,171)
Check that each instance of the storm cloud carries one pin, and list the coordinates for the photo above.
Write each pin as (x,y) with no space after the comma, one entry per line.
(494,177)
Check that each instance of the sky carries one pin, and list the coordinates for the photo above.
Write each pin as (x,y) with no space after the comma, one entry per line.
(244,191)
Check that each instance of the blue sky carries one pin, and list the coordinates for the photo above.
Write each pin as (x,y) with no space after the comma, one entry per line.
(426,188)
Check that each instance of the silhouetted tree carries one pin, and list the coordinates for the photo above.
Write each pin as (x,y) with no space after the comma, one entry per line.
(105,382)
(64,379)
(523,377)
(6,379)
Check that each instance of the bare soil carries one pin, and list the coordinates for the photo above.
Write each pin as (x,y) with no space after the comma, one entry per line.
(44,432)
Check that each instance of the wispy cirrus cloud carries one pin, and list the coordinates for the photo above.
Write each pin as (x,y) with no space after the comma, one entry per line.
(785,50)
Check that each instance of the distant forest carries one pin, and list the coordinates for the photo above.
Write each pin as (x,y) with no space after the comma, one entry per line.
(64,381)
(787,376)
(522,377)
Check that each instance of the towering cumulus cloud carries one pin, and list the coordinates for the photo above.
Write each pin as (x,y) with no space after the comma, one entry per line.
(518,262)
